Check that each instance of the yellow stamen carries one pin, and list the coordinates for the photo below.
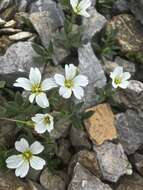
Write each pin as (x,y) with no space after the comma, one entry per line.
(36,88)
(27,155)
(68,83)
(118,81)
(46,120)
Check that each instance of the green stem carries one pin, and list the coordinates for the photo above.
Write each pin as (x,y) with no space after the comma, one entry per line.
(15,120)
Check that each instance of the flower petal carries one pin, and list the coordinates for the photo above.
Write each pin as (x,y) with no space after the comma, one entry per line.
(36,147)
(14,161)
(78,92)
(84,13)
(65,92)
(60,79)
(118,71)
(35,76)
(22,170)
(80,80)
(37,163)
(23,83)
(38,117)
(21,145)
(42,100)
(126,76)
(40,128)
(84,4)
(32,97)
(48,84)
(124,84)
(74,3)
(70,71)
(114,84)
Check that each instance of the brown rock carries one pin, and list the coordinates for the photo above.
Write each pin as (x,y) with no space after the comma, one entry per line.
(129,32)
(100,126)
(5,42)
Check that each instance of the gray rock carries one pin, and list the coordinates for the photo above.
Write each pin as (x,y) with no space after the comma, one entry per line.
(17,61)
(10,24)
(93,24)
(51,181)
(63,150)
(21,5)
(84,180)
(113,161)
(132,96)
(134,182)
(88,160)
(2,22)
(121,6)
(90,66)
(130,130)
(79,139)
(9,30)
(61,129)
(137,9)
(46,23)
(138,162)
(128,66)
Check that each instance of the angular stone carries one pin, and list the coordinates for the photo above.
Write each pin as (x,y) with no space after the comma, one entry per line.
(100,126)
(52,181)
(93,24)
(4,4)
(121,6)
(84,180)
(130,130)
(79,139)
(9,12)
(9,30)
(128,66)
(20,36)
(90,66)
(113,161)
(5,42)
(17,61)
(129,32)
(63,150)
(46,24)
(137,9)
(10,24)
(132,96)
(8,181)
(138,162)
(134,182)
(88,160)
(61,129)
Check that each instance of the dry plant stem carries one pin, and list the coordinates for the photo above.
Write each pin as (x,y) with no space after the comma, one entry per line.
(14,120)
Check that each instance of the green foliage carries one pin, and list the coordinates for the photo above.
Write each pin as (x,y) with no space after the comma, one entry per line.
(65,4)
(105,6)
(105,44)
(70,38)
(2,84)
(26,24)
(44,55)
(76,114)
(19,107)
(105,94)
(135,56)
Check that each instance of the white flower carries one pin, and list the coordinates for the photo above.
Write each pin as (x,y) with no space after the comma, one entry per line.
(79,7)
(120,78)
(72,82)
(36,87)
(27,158)
(43,123)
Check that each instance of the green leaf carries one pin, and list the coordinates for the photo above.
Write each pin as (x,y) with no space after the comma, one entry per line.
(2,84)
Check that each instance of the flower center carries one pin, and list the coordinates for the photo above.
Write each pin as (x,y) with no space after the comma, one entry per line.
(27,155)
(46,120)
(78,9)
(36,88)
(118,80)
(68,83)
